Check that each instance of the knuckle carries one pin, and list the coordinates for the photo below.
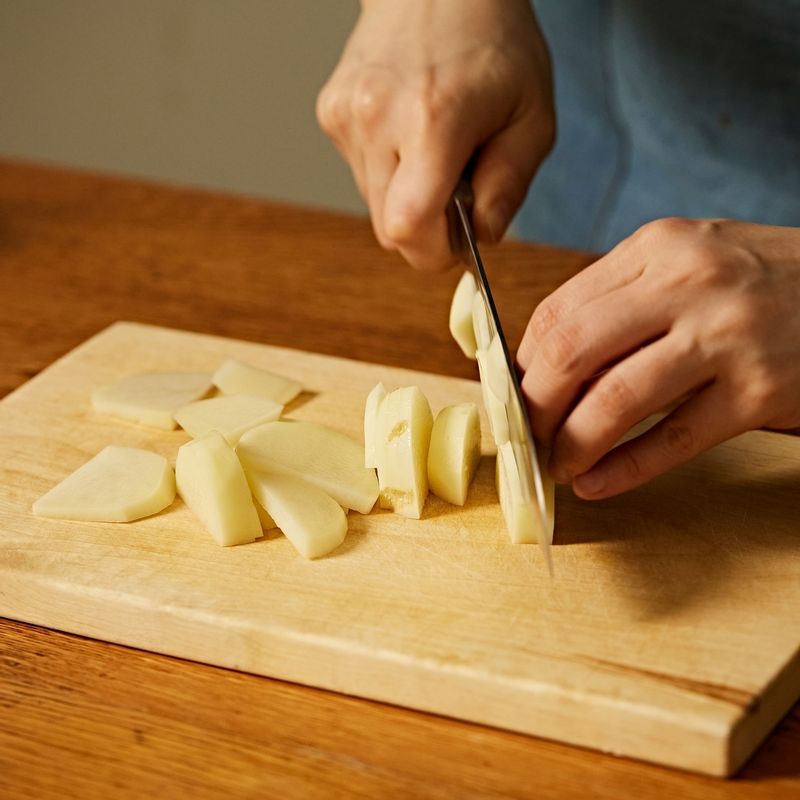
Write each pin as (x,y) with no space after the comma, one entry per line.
(368,100)
(545,317)
(614,397)
(665,228)
(561,349)
(710,228)
(631,466)
(679,440)
(434,102)
(401,227)
(762,393)
(329,110)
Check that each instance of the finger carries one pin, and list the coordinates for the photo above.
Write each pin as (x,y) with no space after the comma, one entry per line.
(620,267)
(591,338)
(640,385)
(379,169)
(417,197)
(503,171)
(704,421)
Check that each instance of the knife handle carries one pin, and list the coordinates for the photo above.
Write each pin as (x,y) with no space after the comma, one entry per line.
(455,231)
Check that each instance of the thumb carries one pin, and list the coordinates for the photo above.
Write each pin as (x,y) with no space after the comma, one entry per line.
(504,168)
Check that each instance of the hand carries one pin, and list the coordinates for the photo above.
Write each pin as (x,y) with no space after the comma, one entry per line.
(703,314)
(421,85)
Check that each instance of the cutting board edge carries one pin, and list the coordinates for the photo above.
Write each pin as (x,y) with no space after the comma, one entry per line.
(776,700)
(607,727)
(32,382)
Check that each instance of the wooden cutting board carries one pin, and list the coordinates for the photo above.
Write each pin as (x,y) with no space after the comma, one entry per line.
(669,633)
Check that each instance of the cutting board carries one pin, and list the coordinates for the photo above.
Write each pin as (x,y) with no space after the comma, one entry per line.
(669,632)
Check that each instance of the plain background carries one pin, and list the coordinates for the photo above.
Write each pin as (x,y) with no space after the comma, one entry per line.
(213,93)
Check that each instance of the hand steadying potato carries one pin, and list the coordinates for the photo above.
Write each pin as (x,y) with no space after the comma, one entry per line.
(420,87)
(705,313)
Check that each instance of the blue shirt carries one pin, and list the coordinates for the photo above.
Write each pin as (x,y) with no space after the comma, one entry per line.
(675,108)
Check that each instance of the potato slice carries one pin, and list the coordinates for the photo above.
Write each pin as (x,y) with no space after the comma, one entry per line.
(371,408)
(119,484)
(404,433)
(522,518)
(236,377)
(267,523)
(318,455)
(455,452)
(231,415)
(480,322)
(497,370)
(212,483)
(151,398)
(495,409)
(461,326)
(309,518)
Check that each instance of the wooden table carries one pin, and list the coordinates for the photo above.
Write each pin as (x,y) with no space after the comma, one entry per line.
(85,718)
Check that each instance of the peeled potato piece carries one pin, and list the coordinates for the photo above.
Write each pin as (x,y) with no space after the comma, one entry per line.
(461,326)
(267,523)
(231,415)
(309,518)
(480,322)
(316,454)
(455,452)
(371,408)
(495,408)
(236,377)
(497,370)
(151,398)
(212,483)
(404,434)
(119,484)
(522,518)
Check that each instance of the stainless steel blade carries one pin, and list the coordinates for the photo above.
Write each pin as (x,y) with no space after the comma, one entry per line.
(520,431)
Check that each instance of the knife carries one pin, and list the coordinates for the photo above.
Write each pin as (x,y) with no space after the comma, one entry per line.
(463,243)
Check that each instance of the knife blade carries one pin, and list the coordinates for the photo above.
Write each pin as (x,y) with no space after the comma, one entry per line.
(464,243)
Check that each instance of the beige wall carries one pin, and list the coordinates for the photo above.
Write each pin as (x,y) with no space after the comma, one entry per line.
(216,93)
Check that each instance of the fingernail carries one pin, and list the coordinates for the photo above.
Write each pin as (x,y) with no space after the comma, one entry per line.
(590,483)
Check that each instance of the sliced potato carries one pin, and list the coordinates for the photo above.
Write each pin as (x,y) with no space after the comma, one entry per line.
(151,398)
(522,518)
(461,326)
(480,322)
(371,408)
(231,415)
(119,484)
(309,518)
(404,433)
(316,454)
(497,370)
(455,452)
(212,483)
(236,377)
(267,523)
(495,409)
